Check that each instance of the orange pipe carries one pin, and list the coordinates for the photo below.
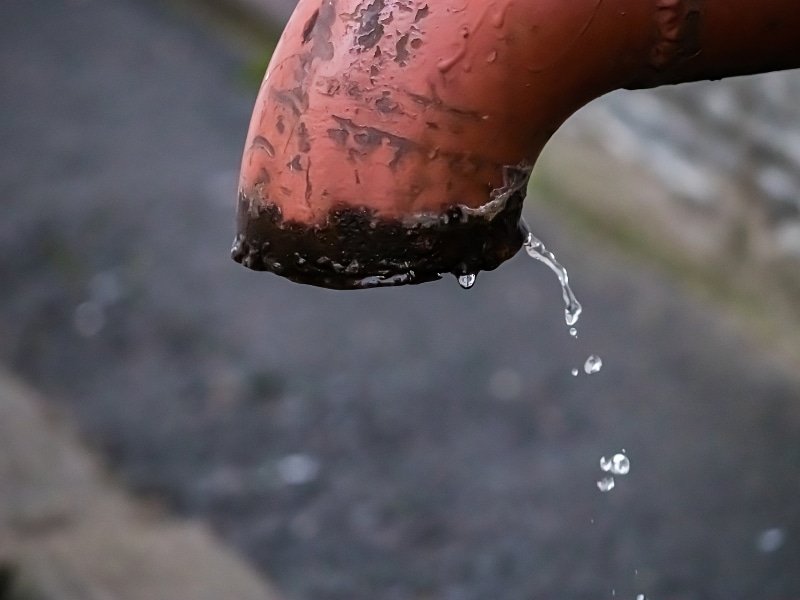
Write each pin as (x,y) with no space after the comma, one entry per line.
(392,140)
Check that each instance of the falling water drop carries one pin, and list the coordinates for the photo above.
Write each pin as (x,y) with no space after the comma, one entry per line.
(641,597)
(606,484)
(619,464)
(467,281)
(593,364)
(537,250)
(575,372)
(573,332)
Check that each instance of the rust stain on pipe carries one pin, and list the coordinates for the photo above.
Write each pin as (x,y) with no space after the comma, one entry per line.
(392,140)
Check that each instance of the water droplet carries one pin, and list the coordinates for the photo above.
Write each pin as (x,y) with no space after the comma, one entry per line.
(606,484)
(575,372)
(641,597)
(572,313)
(593,364)
(770,540)
(89,319)
(537,250)
(298,469)
(238,249)
(573,332)
(498,19)
(467,281)
(619,464)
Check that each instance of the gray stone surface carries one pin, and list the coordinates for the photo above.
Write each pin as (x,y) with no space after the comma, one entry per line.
(410,443)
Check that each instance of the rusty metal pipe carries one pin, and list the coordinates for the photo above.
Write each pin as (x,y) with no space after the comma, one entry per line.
(392,140)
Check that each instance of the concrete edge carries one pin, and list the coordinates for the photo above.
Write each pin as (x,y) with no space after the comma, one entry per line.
(68,533)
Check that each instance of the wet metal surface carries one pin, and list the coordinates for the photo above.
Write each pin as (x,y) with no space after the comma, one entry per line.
(355,248)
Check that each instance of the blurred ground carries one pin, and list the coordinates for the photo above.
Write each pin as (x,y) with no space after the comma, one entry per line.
(408,443)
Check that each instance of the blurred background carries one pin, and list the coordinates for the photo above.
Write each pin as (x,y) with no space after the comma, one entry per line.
(423,442)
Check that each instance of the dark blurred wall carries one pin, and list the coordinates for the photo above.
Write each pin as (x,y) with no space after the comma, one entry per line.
(704,175)
(714,144)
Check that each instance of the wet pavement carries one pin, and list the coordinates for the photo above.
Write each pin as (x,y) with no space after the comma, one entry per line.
(422,442)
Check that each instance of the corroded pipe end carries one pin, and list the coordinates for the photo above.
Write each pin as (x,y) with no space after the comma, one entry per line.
(355,248)
(382,126)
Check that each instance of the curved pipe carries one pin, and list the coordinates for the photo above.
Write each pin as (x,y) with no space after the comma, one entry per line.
(392,140)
